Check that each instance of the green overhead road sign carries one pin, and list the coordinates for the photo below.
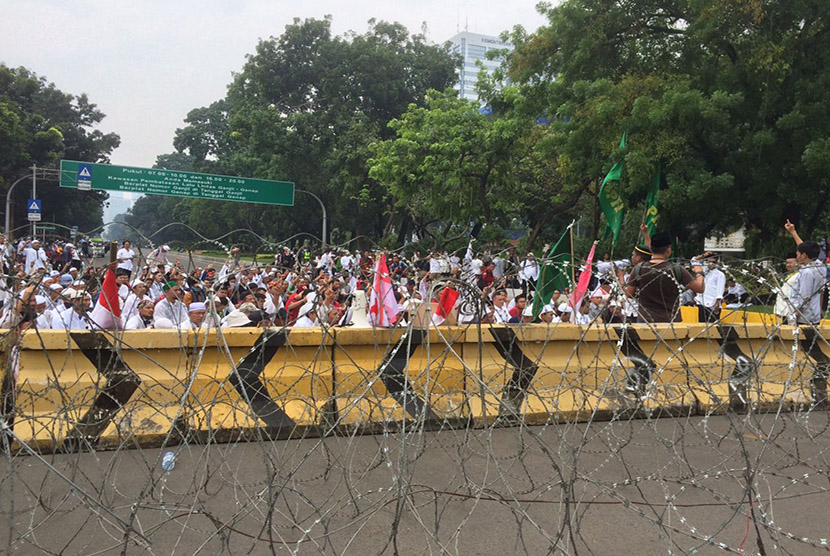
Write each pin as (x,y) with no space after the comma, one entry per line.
(86,176)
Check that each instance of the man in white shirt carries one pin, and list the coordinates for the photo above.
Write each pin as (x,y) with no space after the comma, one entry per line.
(44,315)
(136,296)
(35,258)
(714,280)
(346,262)
(143,318)
(273,301)
(125,257)
(76,317)
(501,315)
(196,316)
(171,307)
(529,272)
(307,316)
(475,268)
(435,264)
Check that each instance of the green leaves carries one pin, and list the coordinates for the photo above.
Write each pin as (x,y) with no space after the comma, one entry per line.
(40,124)
(724,93)
(305,108)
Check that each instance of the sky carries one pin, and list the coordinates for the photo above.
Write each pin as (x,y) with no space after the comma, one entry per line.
(147,63)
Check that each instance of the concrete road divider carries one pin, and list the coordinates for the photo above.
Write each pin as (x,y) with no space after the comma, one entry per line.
(67,391)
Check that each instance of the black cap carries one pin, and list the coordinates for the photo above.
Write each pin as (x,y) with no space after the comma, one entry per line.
(661,240)
(643,250)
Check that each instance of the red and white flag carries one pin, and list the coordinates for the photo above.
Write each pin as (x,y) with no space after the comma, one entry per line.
(446,302)
(584,280)
(383,307)
(107,312)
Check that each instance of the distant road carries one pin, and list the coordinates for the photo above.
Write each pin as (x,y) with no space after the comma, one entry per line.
(187,261)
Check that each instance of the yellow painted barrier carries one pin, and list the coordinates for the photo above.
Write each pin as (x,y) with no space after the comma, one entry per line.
(78,388)
(393,375)
(259,383)
(94,389)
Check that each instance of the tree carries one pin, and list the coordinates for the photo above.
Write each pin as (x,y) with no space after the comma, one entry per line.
(305,108)
(39,125)
(730,96)
(451,163)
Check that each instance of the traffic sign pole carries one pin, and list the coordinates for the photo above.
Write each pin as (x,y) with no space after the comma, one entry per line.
(34,195)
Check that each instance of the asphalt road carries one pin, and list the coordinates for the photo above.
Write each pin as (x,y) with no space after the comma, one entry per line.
(667,486)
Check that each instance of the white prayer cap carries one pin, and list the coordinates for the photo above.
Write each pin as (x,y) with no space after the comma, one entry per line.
(236,319)
(197,306)
(305,309)
(164,323)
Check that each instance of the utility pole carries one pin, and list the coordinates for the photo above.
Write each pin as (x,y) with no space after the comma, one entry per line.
(34,193)
(322,206)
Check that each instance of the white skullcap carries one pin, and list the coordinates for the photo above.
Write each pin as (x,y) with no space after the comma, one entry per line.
(164,323)
(305,309)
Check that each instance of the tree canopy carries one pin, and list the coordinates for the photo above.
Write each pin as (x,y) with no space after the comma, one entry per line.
(729,96)
(305,108)
(39,125)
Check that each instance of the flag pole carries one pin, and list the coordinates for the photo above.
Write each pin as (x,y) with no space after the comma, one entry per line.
(573,257)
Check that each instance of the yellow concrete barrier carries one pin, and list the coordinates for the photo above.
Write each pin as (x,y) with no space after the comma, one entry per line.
(84,388)
(94,389)
(390,376)
(259,383)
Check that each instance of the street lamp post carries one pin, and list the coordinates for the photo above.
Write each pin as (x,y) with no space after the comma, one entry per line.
(9,205)
(46,173)
(322,206)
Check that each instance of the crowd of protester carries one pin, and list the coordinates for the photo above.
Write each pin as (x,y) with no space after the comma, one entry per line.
(56,286)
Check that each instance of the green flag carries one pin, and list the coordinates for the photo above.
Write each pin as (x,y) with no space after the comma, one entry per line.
(554,273)
(610,198)
(652,212)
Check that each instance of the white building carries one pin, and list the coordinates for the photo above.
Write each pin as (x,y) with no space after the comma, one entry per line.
(474,47)
(731,243)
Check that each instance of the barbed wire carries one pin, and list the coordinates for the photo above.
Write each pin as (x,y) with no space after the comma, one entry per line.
(453,439)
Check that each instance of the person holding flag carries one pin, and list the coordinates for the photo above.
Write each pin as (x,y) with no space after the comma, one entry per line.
(553,276)
(383,307)
(107,312)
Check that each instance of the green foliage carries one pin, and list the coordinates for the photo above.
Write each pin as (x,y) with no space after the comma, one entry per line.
(305,108)
(731,96)
(450,163)
(39,125)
